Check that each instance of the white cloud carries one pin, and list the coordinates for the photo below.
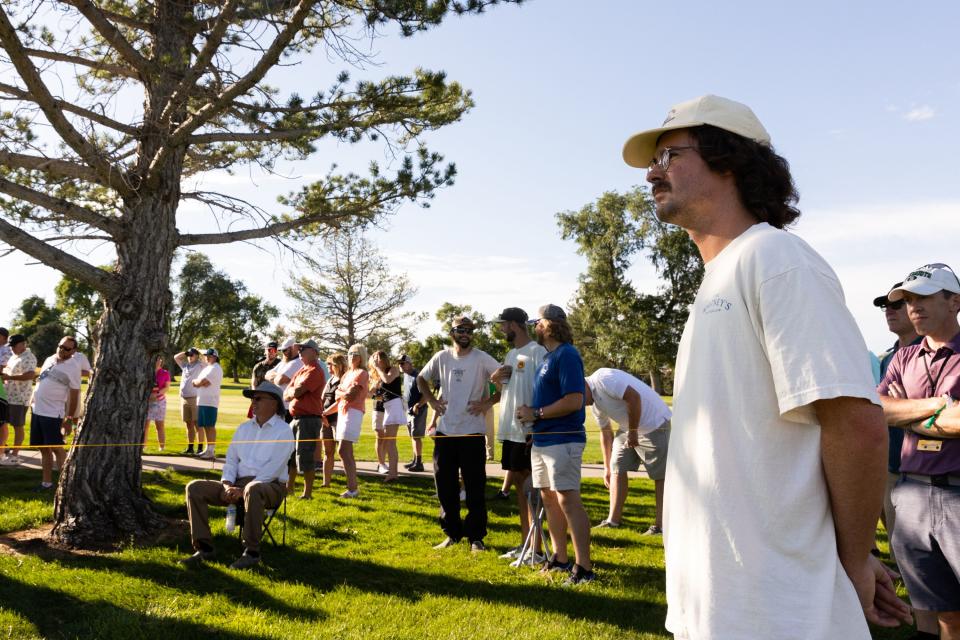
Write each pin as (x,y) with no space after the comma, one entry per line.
(918,114)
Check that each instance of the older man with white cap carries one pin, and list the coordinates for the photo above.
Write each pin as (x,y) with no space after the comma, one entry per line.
(777,456)
(919,393)
(255,472)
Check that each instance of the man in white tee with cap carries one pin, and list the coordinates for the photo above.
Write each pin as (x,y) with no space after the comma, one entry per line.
(208,383)
(54,408)
(283,372)
(778,449)
(643,434)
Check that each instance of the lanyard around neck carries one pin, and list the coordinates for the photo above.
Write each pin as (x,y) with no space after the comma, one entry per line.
(935,381)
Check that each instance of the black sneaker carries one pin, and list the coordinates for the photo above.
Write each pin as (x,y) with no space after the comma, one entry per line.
(417,467)
(554,565)
(477,546)
(579,575)
(500,495)
(188,451)
(42,489)
(410,464)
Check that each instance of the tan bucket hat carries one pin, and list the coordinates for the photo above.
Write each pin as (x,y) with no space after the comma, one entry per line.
(709,109)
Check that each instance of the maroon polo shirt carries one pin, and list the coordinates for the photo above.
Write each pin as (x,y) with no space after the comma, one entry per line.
(910,367)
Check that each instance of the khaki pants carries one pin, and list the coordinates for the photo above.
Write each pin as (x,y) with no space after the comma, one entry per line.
(257,497)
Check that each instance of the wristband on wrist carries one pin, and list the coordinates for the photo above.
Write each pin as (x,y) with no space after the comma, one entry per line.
(933,418)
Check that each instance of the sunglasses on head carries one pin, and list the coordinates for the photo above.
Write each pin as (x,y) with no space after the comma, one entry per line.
(896,306)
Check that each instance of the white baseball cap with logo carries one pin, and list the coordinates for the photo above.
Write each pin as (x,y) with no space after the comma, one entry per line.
(926,280)
(709,109)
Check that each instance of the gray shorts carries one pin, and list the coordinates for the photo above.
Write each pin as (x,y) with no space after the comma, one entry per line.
(651,453)
(417,425)
(306,430)
(927,543)
(17,415)
(557,466)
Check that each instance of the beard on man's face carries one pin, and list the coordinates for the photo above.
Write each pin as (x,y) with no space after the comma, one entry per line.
(462,339)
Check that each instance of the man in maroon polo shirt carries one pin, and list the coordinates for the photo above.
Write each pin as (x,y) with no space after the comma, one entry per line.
(305,395)
(919,394)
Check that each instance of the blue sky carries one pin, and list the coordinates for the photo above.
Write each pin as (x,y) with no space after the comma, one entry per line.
(860,97)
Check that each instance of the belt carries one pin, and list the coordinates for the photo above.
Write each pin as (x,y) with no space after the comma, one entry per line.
(938,480)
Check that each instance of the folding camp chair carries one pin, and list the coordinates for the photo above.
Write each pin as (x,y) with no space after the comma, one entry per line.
(268,516)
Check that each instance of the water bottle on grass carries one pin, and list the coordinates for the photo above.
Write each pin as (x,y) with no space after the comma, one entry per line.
(231,517)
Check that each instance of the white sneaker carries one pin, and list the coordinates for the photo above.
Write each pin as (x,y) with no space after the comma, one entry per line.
(463,495)
(511,553)
(208,454)
(382,468)
(538,558)
(10,460)
(350,494)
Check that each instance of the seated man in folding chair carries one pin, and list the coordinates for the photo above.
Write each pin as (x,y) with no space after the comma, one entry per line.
(255,472)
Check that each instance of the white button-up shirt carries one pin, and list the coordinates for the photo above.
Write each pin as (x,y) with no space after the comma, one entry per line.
(259,451)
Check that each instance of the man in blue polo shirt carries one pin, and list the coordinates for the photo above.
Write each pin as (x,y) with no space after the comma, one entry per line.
(559,437)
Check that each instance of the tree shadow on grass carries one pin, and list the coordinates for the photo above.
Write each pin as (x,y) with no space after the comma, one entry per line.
(629,614)
(55,614)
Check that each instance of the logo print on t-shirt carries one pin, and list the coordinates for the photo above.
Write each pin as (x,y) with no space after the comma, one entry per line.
(458,374)
(717,304)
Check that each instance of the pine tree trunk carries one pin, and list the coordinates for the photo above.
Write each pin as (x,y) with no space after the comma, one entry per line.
(100,500)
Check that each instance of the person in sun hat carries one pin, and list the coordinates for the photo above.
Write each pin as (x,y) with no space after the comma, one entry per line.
(255,472)
(778,448)
(919,392)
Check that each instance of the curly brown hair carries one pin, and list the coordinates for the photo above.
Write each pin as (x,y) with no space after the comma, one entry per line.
(763,177)
(559,330)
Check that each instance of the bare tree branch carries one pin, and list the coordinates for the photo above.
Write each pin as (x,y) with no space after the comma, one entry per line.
(112,35)
(74,267)
(31,78)
(69,107)
(83,62)
(332,219)
(63,207)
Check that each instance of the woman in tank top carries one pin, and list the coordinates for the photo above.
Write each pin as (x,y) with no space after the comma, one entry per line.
(389,413)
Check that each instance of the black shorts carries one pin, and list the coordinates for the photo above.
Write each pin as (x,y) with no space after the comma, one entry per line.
(44,430)
(516,456)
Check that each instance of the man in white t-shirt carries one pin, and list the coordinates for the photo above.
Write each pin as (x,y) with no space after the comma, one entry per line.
(54,407)
(514,381)
(283,372)
(778,452)
(643,433)
(460,448)
(18,376)
(208,383)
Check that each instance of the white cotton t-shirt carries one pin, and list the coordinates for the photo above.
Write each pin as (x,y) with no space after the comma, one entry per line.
(209,396)
(189,372)
(82,361)
(608,386)
(54,383)
(518,391)
(462,380)
(750,544)
(287,369)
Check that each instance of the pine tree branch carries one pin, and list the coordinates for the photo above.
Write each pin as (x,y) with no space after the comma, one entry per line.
(69,107)
(63,207)
(103,281)
(56,56)
(186,87)
(220,103)
(47,103)
(53,167)
(226,237)
(113,36)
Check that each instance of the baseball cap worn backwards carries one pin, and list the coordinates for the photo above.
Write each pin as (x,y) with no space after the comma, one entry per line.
(926,280)
(549,312)
(722,113)
(287,343)
(512,314)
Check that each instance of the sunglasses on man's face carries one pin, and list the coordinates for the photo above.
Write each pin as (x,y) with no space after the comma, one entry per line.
(463,331)
(896,306)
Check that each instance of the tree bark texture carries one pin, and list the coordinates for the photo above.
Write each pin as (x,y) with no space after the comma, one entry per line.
(100,501)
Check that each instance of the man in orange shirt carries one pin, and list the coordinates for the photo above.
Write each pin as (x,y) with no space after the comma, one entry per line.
(305,395)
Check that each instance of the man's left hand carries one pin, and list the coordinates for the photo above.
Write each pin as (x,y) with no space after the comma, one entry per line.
(232,495)
(873,582)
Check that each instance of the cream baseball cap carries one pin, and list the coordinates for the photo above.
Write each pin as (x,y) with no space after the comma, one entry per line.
(709,109)
(927,280)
